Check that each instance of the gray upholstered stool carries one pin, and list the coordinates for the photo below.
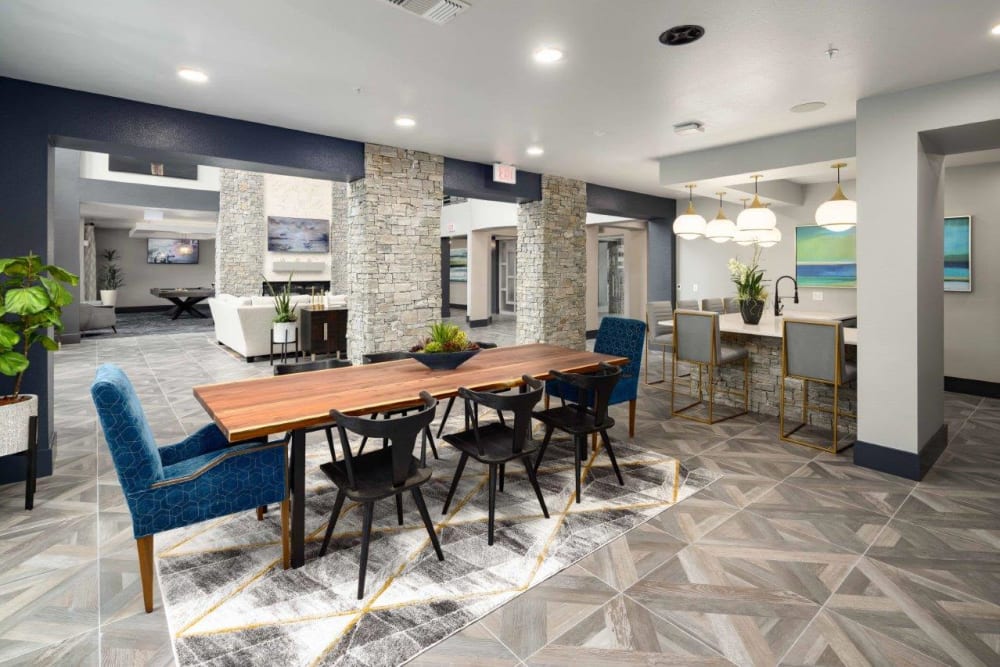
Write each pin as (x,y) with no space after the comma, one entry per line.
(714,305)
(659,336)
(688,304)
(697,341)
(813,351)
(732,304)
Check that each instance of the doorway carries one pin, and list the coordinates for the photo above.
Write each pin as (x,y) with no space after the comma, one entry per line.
(611,276)
(507,279)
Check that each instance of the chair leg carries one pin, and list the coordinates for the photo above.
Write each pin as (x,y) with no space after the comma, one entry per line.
(503,469)
(399,508)
(593,442)
(261,511)
(366,537)
(329,441)
(631,418)
(430,440)
(545,443)
(144,545)
(418,498)
(534,484)
(611,455)
(493,500)
(546,401)
(286,545)
(334,515)
(578,443)
(454,482)
(447,411)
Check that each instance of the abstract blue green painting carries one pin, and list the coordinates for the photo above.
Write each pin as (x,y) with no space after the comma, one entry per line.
(824,258)
(958,254)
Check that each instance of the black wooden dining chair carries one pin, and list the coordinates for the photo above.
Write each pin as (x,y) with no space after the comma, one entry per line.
(428,436)
(496,444)
(451,401)
(582,418)
(390,471)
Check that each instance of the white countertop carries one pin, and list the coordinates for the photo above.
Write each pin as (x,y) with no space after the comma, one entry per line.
(770,325)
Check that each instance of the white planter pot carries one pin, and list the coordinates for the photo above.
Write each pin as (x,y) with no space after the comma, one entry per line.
(109,297)
(285,332)
(14,424)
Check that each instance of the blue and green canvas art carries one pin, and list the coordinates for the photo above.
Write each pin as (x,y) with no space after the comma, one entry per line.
(958,254)
(824,258)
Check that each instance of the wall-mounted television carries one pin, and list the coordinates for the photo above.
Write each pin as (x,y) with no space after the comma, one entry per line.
(171,251)
(298,234)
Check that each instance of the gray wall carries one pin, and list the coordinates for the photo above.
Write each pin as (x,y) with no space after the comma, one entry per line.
(972,319)
(68,233)
(140,276)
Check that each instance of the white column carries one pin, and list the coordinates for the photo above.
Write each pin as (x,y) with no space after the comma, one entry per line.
(479,276)
(593,317)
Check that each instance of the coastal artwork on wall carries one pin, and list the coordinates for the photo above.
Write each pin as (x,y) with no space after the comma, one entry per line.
(297,234)
(825,259)
(958,254)
(171,251)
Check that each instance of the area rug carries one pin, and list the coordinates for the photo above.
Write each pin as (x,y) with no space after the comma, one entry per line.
(228,601)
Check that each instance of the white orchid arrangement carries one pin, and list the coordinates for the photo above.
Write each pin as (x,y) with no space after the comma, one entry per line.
(748,278)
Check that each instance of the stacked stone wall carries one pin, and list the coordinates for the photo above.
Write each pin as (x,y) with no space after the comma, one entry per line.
(240,233)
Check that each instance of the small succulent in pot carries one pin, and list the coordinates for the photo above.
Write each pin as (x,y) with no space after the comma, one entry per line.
(444,337)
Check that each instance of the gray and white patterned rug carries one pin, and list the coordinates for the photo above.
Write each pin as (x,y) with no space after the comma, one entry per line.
(228,601)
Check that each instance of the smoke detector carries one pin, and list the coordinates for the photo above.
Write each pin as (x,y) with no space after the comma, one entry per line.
(691,127)
(435,11)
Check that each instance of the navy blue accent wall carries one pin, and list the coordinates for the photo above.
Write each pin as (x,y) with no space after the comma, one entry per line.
(34,118)
(475,180)
(661,265)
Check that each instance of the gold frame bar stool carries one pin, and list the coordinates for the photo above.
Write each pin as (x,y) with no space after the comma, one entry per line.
(659,335)
(813,351)
(698,341)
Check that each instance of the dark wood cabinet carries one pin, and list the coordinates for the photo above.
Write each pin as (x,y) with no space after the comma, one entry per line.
(324,331)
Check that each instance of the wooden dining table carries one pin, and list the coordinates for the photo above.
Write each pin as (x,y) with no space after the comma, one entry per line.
(261,407)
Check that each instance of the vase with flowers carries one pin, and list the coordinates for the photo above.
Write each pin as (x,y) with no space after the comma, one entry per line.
(750,291)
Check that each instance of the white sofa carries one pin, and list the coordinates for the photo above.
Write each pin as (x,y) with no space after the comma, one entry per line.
(243,324)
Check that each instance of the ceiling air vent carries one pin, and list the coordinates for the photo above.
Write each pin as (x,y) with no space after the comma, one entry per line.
(435,11)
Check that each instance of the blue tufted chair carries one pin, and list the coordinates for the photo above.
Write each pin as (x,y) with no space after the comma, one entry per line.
(200,478)
(622,337)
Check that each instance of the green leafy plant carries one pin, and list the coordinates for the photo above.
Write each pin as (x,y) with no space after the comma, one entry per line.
(444,337)
(32,297)
(111,276)
(748,278)
(282,302)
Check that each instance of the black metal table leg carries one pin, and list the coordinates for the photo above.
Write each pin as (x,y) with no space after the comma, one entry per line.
(298,495)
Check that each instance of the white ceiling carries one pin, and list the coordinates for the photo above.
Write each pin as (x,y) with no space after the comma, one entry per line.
(194,224)
(472,85)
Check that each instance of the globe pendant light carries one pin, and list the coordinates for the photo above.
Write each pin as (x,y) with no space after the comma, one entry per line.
(840,213)
(768,237)
(720,229)
(742,236)
(690,225)
(756,217)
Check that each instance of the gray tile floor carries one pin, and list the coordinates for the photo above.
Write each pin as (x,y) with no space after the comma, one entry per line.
(795,557)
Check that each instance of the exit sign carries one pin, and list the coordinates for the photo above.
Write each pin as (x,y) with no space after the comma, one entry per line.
(504,173)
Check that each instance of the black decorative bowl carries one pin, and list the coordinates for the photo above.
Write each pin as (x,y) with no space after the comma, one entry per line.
(443,361)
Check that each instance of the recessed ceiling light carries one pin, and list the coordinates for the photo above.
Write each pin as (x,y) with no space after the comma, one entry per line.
(534,151)
(806,107)
(547,55)
(600,133)
(691,127)
(192,75)
(995,30)
(405,121)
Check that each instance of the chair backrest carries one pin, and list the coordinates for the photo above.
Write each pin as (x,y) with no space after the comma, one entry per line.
(483,345)
(696,336)
(379,357)
(133,449)
(305,367)
(599,384)
(622,337)
(811,350)
(519,404)
(657,311)
(399,432)
(732,304)
(688,304)
(713,305)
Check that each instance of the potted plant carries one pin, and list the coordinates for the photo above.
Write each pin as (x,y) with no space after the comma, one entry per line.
(446,347)
(111,277)
(285,329)
(749,281)
(32,297)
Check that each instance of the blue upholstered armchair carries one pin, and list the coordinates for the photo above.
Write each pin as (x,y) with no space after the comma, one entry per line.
(621,337)
(200,478)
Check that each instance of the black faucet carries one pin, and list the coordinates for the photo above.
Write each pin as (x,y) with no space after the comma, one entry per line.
(777,298)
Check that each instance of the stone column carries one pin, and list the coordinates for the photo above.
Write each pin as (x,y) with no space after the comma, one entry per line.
(340,278)
(552,265)
(394,249)
(241,233)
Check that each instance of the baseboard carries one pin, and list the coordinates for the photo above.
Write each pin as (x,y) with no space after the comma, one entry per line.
(142,309)
(69,338)
(14,468)
(479,323)
(973,387)
(902,464)
(592,334)
(457,306)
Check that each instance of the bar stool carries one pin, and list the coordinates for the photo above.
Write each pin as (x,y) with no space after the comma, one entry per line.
(713,305)
(697,340)
(813,351)
(659,336)
(732,304)
(688,304)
